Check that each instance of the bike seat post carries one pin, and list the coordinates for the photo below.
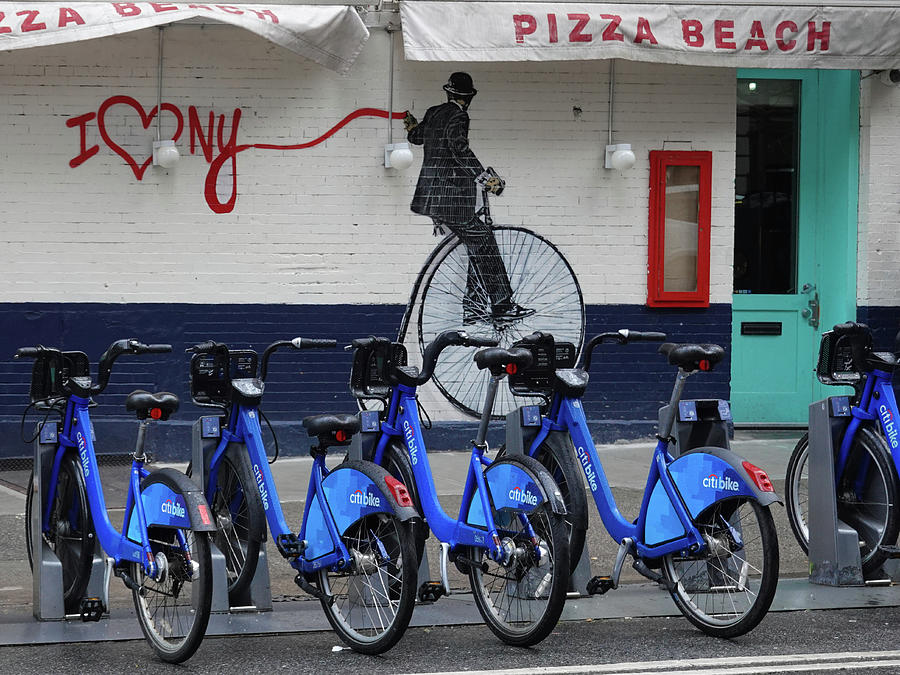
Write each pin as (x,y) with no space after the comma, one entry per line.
(488,409)
(667,414)
(141,437)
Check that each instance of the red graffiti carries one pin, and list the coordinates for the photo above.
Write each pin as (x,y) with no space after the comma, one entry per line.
(218,155)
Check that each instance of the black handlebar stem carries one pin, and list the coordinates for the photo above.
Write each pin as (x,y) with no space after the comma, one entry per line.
(621,337)
(297,343)
(449,338)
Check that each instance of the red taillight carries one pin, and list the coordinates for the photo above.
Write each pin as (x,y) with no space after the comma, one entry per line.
(760,477)
(340,436)
(511,369)
(704,365)
(398,489)
(156,413)
(204,513)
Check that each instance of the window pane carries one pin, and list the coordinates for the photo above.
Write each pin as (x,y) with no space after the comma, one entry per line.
(765,206)
(681,233)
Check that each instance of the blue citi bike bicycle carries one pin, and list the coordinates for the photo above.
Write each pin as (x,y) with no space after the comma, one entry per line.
(509,537)
(867,463)
(162,553)
(354,551)
(704,530)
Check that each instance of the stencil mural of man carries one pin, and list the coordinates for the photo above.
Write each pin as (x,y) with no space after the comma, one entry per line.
(446,192)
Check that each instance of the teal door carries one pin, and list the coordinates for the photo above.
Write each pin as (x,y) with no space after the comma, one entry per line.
(796,182)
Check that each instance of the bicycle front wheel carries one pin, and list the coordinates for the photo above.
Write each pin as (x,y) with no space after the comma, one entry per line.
(71,533)
(240,519)
(521,599)
(727,589)
(544,288)
(373,599)
(866,496)
(174,608)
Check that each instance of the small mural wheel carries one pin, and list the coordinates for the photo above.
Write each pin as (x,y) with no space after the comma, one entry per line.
(373,598)
(545,296)
(71,533)
(726,589)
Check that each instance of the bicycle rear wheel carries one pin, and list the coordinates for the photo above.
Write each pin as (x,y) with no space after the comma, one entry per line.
(727,589)
(173,609)
(521,601)
(867,495)
(374,598)
(542,282)
(71,534)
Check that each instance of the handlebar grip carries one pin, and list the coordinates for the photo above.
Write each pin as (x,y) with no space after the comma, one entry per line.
(158,349)
(32,352)
(313,343)
(207,346)
(651,336)
(481,342)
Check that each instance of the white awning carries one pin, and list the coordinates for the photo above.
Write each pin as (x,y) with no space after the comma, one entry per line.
(852,35)
(331,35)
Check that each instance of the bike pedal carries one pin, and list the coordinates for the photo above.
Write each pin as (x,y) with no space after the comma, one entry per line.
(289,546)
(431,591)
(599,585)
(891,551)
(92,609)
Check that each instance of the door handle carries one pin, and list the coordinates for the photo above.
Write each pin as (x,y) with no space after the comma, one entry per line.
(811,311)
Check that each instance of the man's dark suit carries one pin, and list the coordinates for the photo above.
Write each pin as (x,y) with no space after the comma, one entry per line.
(446,188)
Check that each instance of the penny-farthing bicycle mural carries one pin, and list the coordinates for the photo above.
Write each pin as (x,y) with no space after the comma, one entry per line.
(490,280)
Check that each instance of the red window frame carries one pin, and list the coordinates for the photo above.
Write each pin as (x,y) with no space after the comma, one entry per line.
(657,296)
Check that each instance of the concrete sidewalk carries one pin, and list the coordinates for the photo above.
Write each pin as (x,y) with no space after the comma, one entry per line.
(626,465)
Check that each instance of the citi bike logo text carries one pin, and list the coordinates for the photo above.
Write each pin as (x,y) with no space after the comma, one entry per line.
(364,499)
(588,469)
(887,419)
(261,485)
(410,436)
(720,483)
(520,497)
(82,450)
(172,508)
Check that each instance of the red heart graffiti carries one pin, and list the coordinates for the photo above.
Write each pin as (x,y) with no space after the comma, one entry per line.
(146,118)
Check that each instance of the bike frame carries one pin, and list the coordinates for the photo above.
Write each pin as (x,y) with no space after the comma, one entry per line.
(876,402)
(403,422)
(567,414)
(77,434)
(244,428)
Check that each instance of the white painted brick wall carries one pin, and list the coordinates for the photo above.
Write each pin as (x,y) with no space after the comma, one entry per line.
(314,225)
(879,211)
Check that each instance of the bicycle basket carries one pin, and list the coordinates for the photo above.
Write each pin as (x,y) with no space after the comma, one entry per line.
(211,374)
(50,372)
(548,356)
(842,357)
(371,366)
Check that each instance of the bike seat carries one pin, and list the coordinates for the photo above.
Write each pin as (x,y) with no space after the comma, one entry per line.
(499,360)
(331,429)
(145,404)
(570,382)
(851,328)
(692,357)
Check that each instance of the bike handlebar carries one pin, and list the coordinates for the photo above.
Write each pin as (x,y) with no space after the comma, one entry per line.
(297,343)
(621,337)
(449,338)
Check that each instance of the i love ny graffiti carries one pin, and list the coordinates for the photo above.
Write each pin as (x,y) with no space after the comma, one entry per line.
(219,148)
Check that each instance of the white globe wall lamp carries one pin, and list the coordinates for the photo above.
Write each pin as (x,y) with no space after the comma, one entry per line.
(618,156)
(165,154)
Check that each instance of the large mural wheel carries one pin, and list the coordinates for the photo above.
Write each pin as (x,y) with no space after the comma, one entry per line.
(543,285)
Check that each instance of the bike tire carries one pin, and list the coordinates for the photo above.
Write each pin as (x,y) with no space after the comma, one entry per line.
(172,613)
(873,514)
(240,519)
(559,463)
(373,599)
(71,535)
(522,603)
(726,592)
(541,279)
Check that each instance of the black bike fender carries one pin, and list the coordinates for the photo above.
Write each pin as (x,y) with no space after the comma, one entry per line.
(178,484)
(764,497)
(560,443)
